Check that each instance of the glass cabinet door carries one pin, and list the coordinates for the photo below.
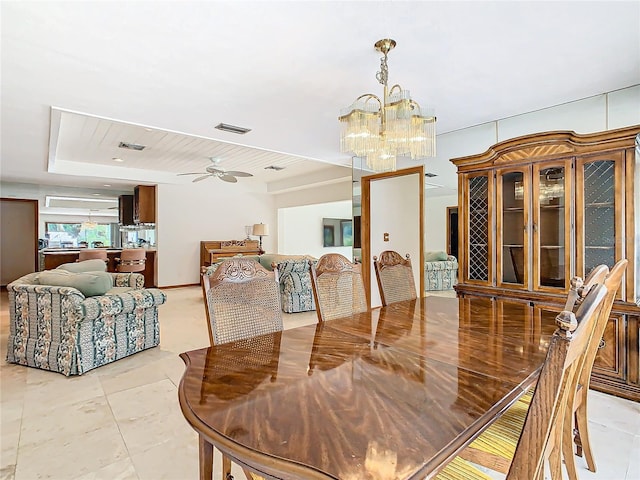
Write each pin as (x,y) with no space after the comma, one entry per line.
(598,216)
(513,219)
(478,248)
(551,225)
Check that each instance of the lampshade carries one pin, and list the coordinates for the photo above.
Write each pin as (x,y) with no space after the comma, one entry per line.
(260,229)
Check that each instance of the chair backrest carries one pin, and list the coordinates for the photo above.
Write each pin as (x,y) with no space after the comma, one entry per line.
(580,288)
(338,287)
(543,424)
(91,254)
(242,300)
(395,277)
(132,260)
(612,281)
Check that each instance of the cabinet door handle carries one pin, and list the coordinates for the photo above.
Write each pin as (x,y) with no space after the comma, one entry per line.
(601,344)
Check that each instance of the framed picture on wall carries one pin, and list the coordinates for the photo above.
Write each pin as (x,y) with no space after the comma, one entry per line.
(328,235)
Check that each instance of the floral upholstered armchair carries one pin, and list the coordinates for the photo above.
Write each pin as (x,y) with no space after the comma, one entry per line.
(59,328)
(440,271)
(296,294)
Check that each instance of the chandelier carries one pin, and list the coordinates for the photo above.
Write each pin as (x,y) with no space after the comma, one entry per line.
(383,130)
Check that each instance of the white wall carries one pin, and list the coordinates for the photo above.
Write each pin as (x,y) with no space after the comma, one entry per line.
(435,222)
(208,210)
(395,209)
(300,228)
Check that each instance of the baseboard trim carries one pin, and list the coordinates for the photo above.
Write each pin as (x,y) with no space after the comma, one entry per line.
(180,286)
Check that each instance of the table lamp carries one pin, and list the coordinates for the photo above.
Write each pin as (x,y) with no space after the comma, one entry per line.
(260,230)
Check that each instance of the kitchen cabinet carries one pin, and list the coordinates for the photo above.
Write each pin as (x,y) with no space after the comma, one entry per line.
(125,209)
(144,204)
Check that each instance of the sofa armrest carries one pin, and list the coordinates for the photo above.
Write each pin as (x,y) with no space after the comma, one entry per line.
(126,302)
(133,280)
(61,308)
(443,265)
(451,258)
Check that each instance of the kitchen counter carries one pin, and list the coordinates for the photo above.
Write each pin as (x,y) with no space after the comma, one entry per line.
(54,257)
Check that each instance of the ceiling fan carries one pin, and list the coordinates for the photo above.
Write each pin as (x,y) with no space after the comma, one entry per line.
(213,171)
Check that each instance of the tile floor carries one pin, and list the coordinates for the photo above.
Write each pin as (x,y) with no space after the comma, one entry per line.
(122,421)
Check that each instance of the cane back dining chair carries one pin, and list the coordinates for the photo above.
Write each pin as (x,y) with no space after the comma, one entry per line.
(501,439)
(496,446)
(577,416)
(242,301)
(540,438)
(395,277)
(338,288)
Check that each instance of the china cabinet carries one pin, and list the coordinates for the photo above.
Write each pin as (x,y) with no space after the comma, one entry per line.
(537,210)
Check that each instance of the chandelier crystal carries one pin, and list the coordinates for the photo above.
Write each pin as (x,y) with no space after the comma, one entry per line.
(382,130)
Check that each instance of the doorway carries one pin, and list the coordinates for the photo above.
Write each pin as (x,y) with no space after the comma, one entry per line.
(452,231)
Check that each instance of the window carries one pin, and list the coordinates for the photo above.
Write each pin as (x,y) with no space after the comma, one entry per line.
(73,234)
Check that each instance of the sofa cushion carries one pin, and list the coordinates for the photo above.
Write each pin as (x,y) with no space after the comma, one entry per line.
(435,256)
(90,284)
(92,265)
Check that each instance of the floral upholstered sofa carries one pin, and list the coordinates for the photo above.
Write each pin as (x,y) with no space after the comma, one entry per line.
(294,277)
(440,271)
(59,328)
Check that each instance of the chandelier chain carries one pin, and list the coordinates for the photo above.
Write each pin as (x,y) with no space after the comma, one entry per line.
(383,75)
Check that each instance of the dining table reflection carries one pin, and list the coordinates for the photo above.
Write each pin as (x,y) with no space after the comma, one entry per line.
(390,393)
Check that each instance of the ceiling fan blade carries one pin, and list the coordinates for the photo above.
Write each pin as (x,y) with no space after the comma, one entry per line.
(192,173)
(239,174)
(228,178)
(201,178)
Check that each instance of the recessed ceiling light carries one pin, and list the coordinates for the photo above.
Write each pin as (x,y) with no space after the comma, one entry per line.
(430,175)
(117,159)
(106,185)
(96,194)
(149,129)
(225,127)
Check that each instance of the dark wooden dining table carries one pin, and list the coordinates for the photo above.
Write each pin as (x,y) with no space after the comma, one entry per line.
(394,393)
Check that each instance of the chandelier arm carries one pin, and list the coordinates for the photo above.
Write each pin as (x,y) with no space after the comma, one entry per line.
(368,97)
(396,86)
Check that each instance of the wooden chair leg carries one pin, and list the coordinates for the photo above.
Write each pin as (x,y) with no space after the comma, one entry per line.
(555,463)
(582,434)
(226,468)
(567,445)
(205,454)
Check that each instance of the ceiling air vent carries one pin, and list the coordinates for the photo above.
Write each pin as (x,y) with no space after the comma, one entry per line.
(225,127)
(274,167)
(430,175)
(132,146)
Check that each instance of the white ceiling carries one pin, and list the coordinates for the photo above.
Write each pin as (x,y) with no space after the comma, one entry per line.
(283,69)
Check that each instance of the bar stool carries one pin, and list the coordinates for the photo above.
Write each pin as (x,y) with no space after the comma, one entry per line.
(131,260)
(89,254)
